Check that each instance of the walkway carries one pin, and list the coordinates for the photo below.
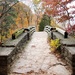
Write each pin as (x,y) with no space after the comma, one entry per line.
(37,59)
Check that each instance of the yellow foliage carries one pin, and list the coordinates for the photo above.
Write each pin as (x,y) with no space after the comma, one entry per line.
(23,13)
(54,44)
(36,1)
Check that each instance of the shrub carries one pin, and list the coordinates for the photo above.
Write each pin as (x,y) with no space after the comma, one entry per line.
(55,44)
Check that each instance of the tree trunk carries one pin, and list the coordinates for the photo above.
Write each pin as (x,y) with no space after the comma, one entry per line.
(71,28)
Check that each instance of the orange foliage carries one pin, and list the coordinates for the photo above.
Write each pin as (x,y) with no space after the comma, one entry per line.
(21,20)
(57,8)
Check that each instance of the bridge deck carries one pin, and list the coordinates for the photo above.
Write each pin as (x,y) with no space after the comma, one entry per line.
(37,59)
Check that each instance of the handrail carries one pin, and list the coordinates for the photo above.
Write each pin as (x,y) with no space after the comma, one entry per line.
(32,29)
(47,28)
(62,32)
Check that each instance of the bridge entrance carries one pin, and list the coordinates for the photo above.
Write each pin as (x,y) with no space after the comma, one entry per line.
(37,59)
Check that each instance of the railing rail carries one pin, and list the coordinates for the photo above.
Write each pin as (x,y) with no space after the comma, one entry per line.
(47,28)
(32,29)
(67,48)
(63,32)
(12,47)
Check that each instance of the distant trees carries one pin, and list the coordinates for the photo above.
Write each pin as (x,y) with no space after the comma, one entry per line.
(6,16)
(13,15)
(45,21)
(59,9)
(23,15)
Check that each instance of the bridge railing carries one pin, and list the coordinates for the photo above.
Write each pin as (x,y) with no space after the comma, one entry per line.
(12,47)
(17,33)
(32,29)
(63,32)
(67,48)
(47,29)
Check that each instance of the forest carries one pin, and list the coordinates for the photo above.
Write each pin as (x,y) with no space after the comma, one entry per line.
(15,15)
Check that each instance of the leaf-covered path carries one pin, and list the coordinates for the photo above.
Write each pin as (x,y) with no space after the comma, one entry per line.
(37,59)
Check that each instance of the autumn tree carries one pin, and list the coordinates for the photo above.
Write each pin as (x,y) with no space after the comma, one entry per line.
(6,13)
(59,10)
(24,13)
(36,1)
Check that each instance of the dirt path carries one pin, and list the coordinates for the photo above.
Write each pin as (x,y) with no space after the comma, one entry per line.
(37,59)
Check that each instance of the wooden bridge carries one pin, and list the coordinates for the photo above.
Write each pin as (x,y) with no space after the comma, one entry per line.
(30,54)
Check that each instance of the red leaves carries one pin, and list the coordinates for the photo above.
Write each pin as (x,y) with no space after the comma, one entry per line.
(59,8)
(64,18)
